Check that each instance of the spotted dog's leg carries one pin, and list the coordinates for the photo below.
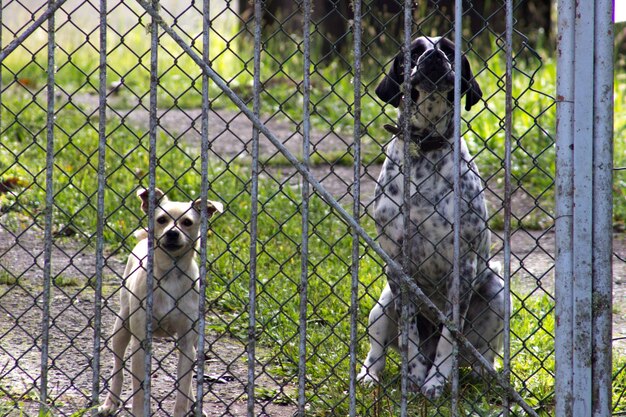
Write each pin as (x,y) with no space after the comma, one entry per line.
(484,322)
(417,361)
(442,367)
(383,332)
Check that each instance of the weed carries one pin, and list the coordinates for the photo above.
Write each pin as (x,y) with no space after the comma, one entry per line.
(6,278)
(65,281)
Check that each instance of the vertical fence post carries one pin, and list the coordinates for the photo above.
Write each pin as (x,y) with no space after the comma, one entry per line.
(563,223)
(204,188)
(508,132)
(102,93)
(405,210)
(584,208)
(152,205)
(304,248)
(603,209)
(254,207)
(456,262)
(47,272)
(356,205)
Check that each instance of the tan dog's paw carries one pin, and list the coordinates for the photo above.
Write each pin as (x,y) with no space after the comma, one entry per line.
(108,408)
(192,413)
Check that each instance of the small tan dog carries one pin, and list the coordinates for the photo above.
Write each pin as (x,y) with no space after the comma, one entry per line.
(175,299)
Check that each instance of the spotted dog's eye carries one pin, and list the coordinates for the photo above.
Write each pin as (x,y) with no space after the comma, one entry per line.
(448,51)
(161,220)
(186,222)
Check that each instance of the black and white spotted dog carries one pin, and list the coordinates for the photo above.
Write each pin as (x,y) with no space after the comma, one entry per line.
(430,246)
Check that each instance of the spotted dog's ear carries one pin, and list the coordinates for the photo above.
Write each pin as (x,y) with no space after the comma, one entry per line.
(469,86)
(389,88)
(143,194)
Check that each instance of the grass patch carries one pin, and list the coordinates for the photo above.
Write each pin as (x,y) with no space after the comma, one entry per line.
(534,120)
(279,265)
(65,281)
(619,383)
(6,278)
(335,158)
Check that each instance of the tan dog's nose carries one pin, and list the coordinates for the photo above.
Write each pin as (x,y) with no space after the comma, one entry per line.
(172,234)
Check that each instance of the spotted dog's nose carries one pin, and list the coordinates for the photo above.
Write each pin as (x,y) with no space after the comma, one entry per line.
(433,72)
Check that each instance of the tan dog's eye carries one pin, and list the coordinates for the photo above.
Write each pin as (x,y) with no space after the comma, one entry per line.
(187,222)
(162,220)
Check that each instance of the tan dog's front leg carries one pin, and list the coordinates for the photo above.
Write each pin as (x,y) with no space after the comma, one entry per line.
(119,343)
(185,397)
(138,370)
(137,359)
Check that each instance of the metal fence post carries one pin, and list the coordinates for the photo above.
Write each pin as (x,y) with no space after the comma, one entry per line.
(304,208)
(584,207)
(356,207)
(102,130)
(152,206)
(204,146)
(49,210)
(603,210)
(254,208)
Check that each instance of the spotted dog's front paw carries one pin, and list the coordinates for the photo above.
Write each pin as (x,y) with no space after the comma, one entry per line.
(415,381)
(367,377)
(417,373)
(433,388)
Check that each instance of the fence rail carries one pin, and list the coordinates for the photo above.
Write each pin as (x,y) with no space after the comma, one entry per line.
(270,108)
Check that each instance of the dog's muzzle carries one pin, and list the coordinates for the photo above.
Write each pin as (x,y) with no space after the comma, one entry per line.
(171,241)
(433,72)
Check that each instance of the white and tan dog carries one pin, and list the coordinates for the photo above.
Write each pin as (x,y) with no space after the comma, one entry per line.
(175,299)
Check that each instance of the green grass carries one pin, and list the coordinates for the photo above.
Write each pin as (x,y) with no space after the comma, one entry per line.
(619,158)
(279,267)
(331,96)
(7,278)
(65,281)
(534,120)
(23,154)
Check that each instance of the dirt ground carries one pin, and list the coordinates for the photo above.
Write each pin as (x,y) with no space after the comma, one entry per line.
(71,308)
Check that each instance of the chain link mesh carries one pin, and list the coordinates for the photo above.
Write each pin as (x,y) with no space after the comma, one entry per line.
(75,123)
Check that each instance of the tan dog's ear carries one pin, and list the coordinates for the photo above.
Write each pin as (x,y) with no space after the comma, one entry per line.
(143,194)
(211,207)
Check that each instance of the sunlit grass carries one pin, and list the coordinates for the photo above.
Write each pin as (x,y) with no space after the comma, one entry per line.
(279,266)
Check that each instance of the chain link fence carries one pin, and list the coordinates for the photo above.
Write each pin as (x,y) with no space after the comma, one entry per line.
(101,98)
